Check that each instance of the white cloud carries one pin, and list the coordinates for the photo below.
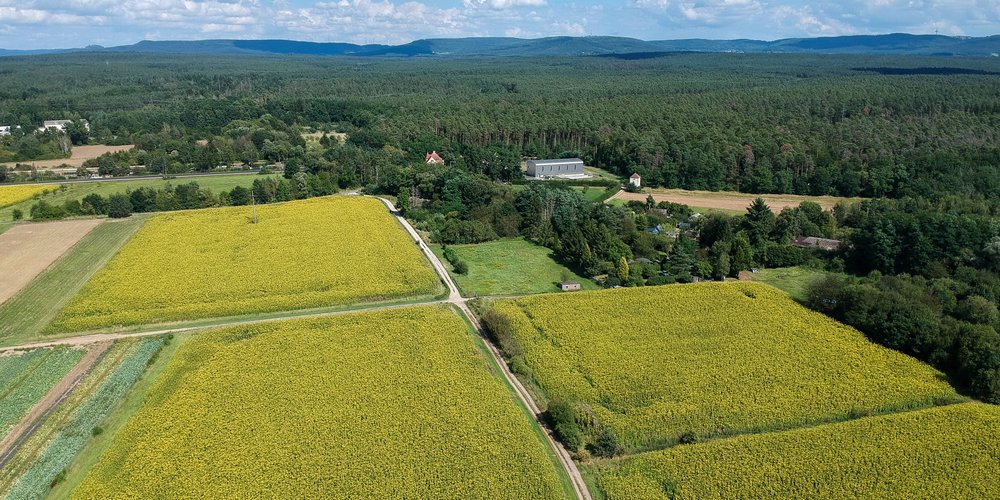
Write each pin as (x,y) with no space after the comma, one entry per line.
(503,4)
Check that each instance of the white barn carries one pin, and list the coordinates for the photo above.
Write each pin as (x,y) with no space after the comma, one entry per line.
(555,168)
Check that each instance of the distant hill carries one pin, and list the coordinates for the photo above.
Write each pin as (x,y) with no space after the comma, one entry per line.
(897,43)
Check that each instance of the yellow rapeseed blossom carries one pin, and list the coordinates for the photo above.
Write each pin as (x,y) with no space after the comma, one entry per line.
(215,262)
(390,404)
(943,452)
(709,359)
(12,195)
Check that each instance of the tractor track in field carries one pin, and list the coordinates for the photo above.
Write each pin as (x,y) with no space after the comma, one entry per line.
(56,395)
(454,298)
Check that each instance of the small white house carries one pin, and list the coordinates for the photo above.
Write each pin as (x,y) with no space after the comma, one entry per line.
(635,180)
(4,130)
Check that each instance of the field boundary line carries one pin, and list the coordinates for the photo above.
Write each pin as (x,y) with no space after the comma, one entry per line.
(94,338)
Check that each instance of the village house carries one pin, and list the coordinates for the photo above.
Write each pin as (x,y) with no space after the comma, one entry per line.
(814,242)
(569,286)
(4,130)
(636,180)
(433,158)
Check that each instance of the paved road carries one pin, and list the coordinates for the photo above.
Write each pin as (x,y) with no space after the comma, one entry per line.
(151,177)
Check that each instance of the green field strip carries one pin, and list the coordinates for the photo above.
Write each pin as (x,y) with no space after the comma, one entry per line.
(25,316)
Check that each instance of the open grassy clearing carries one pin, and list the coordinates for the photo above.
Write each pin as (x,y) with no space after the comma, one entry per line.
(791,280)
(732,201)
(509,267)
(195,264)
(27,376)
(709,360)
(28,249)
(381,404)
(944,452)
(62,193)
(24,316)
(595,193)
(43,457)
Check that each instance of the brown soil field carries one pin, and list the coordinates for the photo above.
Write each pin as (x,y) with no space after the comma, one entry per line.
(28,249)
(80,154)
(727,200)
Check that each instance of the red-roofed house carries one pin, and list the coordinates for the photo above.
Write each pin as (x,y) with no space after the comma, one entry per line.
(433,158)
(635,180)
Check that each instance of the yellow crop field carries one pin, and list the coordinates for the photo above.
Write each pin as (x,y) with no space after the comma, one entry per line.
(709,359)
(12,195)
(211,263)
(943,452)
(390,404)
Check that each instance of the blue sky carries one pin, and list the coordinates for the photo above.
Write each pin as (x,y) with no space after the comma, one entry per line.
(73,23)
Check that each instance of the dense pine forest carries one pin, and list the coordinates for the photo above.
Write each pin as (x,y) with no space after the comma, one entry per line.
(919,268)
(846,125)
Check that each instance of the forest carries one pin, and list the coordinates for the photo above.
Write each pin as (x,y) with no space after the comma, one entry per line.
(918,270)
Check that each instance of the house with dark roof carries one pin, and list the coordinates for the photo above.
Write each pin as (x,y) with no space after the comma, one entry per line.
(814,242)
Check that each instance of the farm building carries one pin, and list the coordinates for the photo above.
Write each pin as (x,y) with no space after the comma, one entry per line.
(433,158)
(635,180)
(813,242)
(60,125)
(569,286)
(567,167)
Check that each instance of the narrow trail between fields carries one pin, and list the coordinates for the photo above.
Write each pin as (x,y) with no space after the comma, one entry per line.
(455,298)
(82,340)
(59,392)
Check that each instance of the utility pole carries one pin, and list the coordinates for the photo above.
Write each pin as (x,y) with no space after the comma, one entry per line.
(253,203)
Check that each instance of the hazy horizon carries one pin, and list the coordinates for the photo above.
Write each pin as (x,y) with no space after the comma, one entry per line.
(53,24)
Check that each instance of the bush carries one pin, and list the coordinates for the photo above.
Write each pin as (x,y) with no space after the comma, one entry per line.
(45,211)
(606,444)
(460,267)
(17,214)
(562,416)
(501,332)
(119,206)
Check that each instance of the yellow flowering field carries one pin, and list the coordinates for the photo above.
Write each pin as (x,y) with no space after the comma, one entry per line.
(12,195)
(943,452)
(395,403)
(211,263)
(709,359)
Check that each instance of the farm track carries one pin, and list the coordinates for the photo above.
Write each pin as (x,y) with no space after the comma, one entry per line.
(59,392)
(454,298)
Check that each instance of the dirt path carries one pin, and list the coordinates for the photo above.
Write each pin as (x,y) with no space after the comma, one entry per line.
(30,248)
(726,200)
(454,297)
(94,338)
(36,416)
